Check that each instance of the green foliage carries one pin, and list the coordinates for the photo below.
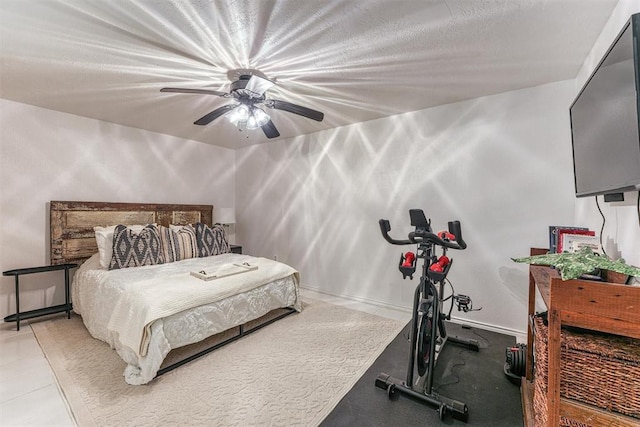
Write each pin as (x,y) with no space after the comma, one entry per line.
(585,261)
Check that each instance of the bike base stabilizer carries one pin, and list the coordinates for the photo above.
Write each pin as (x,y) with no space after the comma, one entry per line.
(458,410)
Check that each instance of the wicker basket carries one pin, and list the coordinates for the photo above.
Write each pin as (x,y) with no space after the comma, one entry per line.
(600,370)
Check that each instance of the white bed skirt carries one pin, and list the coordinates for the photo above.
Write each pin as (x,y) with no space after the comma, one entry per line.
(95,292)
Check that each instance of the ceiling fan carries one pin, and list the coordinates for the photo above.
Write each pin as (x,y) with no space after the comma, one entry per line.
(249,93)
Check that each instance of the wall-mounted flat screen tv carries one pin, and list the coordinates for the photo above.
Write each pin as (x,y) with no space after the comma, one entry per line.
(605,120)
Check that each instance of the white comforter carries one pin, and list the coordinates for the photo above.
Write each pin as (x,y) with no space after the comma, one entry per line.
(104,300)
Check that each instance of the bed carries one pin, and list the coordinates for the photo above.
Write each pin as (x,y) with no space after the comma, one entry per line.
(148,312)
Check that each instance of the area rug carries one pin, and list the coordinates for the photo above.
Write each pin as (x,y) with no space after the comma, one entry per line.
(290,373)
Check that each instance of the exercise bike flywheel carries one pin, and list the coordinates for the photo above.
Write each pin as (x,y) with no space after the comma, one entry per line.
(424,345)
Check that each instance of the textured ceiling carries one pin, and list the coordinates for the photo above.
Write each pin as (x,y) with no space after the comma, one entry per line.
(354,60)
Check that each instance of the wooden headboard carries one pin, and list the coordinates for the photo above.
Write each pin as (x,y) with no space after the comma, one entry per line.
(72,235)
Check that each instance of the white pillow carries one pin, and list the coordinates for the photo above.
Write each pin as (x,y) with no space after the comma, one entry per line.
(104,239)
(179,227)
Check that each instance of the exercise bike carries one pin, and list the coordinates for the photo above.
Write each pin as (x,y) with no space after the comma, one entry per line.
(428,334)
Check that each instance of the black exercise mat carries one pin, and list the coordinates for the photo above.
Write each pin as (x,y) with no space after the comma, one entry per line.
(475,378)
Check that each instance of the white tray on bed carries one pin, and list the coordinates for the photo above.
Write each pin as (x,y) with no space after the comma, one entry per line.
(224,271)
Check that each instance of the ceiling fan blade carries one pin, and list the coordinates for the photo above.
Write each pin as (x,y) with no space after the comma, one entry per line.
(270,130)
(296,109)
(259,85)
(200,91)
(205,120)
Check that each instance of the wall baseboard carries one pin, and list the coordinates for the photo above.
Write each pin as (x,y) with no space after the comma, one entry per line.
(358,299)
(521,336)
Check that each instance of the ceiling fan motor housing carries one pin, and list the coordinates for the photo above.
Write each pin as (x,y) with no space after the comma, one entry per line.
(241,83)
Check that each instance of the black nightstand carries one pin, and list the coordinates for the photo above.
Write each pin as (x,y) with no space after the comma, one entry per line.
(235,249)
(41,311)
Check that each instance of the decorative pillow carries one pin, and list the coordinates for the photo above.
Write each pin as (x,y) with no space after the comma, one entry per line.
(178,243)
(104,240)
(132,249)
(211,240)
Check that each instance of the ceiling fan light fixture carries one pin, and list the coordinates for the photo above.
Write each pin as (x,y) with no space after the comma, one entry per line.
(248,117)
(239,115)
(260,116)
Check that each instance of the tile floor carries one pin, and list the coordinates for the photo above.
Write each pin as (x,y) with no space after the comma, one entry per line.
(29,395)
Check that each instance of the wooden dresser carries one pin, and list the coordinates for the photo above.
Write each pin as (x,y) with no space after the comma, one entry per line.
(596,306)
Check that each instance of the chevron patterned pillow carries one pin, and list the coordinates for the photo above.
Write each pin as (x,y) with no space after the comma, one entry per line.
(131,249)
(211,240)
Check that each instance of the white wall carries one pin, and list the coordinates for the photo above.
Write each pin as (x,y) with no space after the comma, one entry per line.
(621,235)
(47,155)
(500,164)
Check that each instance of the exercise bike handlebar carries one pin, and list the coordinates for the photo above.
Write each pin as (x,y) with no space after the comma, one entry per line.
(420,236)
(385,227)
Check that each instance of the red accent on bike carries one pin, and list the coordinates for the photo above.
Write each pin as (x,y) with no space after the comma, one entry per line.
(440,265)
(409,257)
(446,236)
